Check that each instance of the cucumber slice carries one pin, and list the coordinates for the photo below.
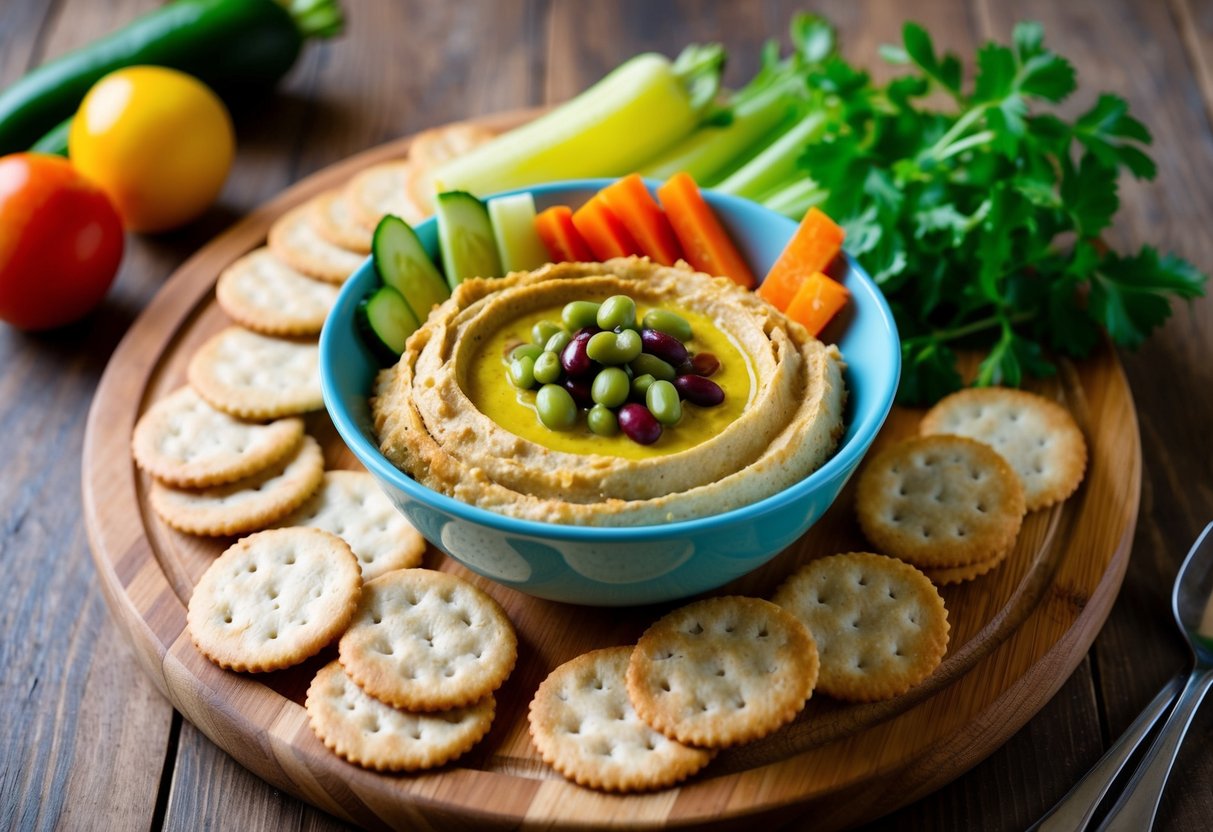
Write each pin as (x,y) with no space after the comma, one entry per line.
(386,322)
(518,242)
(465,236)
(403,264)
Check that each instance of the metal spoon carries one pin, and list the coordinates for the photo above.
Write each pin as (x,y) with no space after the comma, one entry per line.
(1192,603)
(1074,811)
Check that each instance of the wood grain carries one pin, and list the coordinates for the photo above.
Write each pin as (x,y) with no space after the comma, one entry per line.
(50,622)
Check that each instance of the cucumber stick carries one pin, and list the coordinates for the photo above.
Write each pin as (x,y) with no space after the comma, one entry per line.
(386,322)
(404,264)
(518,243)
(465,236)
(611,129)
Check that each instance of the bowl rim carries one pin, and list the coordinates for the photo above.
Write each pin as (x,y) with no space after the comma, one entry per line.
(843,460)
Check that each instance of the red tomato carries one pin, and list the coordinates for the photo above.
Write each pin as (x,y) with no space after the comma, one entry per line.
(60,242)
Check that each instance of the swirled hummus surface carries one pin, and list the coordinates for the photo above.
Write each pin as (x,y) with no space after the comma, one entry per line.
(434,413)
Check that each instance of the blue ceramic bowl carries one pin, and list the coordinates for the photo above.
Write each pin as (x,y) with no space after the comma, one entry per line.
(639,564)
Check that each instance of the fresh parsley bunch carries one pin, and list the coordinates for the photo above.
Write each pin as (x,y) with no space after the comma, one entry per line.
(982,223)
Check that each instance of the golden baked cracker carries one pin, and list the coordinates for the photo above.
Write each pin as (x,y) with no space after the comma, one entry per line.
(950,575)
(880,624)
(183,441)
(334,220)
(427,641)
(263,294)
(368,733)
(432,147)
(585,727)
(295,242)
(722,671)
(383,189)
(940,501)
(248,504)
(273,599)
(1038,437)
(256,376)
(350,504)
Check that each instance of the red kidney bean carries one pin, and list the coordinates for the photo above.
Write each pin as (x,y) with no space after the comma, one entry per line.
(638,424)
(699,390)
(575,360)
(666,347)
(703,364)
(580,389)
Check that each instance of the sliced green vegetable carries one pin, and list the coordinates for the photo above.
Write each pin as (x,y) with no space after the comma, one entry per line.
(465,235)
(518,243)
(777,163)
(386,322)
(403,264)
(54,142)
(641,108)
(234,46)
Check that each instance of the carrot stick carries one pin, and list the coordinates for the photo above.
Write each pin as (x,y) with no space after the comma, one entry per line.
(704,241)
(564,243)
(817,301)
(640,214)
(602,231)
(815,243)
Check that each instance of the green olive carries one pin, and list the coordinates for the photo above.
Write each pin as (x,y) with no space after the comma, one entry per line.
(556,407)
(542,331)
(531,351)
(617,311)
(602,421)
(654,366)
(558,342)
(669,323)
(611,387)
(614,347)
(579,313)
(662,401)
(640,385)
(522,372)
(547,368)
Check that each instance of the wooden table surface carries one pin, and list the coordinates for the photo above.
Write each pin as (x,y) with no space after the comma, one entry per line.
(87,742)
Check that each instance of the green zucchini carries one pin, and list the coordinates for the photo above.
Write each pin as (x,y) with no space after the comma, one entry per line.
(403,264)
(465,236)
(234,46)
(386,322)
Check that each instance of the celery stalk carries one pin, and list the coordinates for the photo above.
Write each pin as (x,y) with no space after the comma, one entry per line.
(777,164)
(795,199)
(709,150)
(638,110)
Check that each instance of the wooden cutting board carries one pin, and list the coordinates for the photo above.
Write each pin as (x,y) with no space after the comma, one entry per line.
(1017,633)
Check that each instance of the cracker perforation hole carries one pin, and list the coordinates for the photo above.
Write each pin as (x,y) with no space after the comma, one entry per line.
(695,629)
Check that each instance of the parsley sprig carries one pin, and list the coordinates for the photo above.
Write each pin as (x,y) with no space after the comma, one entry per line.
(981,221)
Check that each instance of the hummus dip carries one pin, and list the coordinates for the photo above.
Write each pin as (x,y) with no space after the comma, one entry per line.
(782,411)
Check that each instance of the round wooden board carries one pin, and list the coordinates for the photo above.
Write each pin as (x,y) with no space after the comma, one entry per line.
(1017,633)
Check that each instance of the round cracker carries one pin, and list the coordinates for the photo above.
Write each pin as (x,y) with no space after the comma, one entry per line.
(263,294)
(722,671)
(1038,437)
(350,504)
(383,189)
(951,575)
(334,221)
(248,504)
(256,376)
(940,501)
(880,624)
(274,599)
(585,727)
(428,641)
(362,730)
(295,241)
(183,441)
(437,145)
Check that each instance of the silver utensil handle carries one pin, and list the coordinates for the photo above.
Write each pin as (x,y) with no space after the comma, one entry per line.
(1134,810)
(1073,812)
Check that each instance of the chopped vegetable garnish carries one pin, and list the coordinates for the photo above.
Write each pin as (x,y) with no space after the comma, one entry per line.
(630,201)
(602,230)
(817,301)
(816,242)
(705,243)
(563,240)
